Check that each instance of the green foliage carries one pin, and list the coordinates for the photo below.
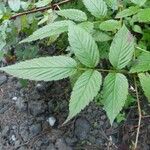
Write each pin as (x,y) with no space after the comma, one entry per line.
(141,64)
(51,29)
(84,46)
(85,89)
(122,48)
(72,14)
(128,12)
(143,15)
(139,2)
(115,94)
(98,8)
(110,25)
(145,83)
(98,45)
(14,4)
(44,68)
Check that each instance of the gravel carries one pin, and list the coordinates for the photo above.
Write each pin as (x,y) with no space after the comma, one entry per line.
(3,79)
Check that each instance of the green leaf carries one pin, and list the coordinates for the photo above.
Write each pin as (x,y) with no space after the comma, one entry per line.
(51,29)
(110,25)
(83,45)
(113,4)
(42,3)
(142,63)
(72,14)
(14,4)
(145,83)
(44,68)
(85,89)
(1,55)
(139,2)
(128,12)
(122,48)
(98,8)
(88,26)
(115,93)
(101,36)
(144,15)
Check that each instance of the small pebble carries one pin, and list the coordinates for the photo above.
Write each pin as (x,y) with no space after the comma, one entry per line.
(51,121)
(14,98)
(13,138)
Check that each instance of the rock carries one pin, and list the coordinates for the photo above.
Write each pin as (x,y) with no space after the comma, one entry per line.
(82,128)
(92,139)
(51,121)
(21,105)
(103,117)
(61,145)
(71,141)
(51,107)
(4,106)
(24,131)
(35,129)
(5,131)
(51,147)
(40,87)
(3,79)
(14,98)
(37,108)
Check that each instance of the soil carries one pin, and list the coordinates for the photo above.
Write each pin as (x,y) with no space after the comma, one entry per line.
(31,119)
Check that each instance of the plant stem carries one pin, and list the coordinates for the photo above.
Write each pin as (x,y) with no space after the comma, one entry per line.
(140,114)
(143,50)
(39,9)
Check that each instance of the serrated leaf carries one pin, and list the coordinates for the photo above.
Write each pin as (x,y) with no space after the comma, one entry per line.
(145,83)
(88,26)
(97,8)
(14,4)
(44,68)
(143,15)
(110,25)
(85,89)
(115,93)
(139,2)
(113,4)
(72,14)
(51,29)
(122,48)
(142,63)
(42,3)
(128,12)
(101,36)
(83,45)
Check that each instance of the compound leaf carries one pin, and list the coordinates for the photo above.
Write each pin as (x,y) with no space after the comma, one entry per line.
(142,63)
(72,14)
(83,45)
(115,93)
(98,8)
(122,48)
(85,89)
(44,68)
(51,29)
(145,83)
